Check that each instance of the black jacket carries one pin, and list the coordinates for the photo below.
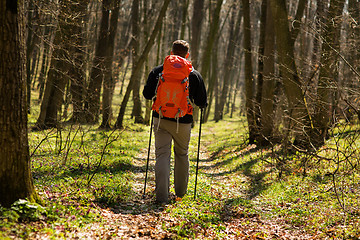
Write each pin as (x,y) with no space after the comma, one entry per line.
(197,91)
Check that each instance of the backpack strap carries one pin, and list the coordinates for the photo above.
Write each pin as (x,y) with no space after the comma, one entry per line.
(157,85)
(160,117)
(177,120)
(161,76)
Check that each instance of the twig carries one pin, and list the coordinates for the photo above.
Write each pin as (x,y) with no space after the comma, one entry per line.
(107,143)
(70,143)
(39,144)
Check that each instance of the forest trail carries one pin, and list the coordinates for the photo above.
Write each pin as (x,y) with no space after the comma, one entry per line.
(141,218)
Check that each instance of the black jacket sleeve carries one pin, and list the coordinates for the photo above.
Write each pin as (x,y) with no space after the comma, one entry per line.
(151,82)
(197,90)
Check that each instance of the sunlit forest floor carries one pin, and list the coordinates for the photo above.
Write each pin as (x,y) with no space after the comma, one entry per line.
(91,183)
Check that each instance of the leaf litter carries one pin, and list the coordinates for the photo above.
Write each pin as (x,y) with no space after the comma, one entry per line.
(141,218)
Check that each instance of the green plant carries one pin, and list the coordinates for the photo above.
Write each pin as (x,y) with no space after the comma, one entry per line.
(28,211)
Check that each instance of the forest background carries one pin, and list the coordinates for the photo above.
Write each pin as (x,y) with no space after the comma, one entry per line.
(284,74)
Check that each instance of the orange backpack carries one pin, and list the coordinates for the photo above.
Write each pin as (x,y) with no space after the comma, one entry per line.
(172,94)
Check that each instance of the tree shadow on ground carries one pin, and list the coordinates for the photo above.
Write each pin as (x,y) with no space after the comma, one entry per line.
(137,206)
(217,164)
(237,208)
(83,169)
(256,179)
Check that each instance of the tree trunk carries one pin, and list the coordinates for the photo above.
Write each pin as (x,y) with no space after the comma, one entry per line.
(214,22)
(213,81)
(196,27)
(269,82)
(148,103)
(249,90)
(109,83)
(298,112)
(136,113)
(327,72)
(296,23)
(77,68)
(92,104)
(15,172)
(317,44)
(236,90)
(139,64)
(31,43)
(61,65)
(228,63)
(174,12)
(54,87)
(46,59)
(260,75)
(185,6)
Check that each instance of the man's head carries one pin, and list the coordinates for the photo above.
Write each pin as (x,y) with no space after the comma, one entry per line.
(181,48)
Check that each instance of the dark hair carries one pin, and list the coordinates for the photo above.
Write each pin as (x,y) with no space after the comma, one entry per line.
(180,47)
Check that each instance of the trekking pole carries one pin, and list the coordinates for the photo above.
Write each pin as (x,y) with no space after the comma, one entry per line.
(148,156)
(197,160)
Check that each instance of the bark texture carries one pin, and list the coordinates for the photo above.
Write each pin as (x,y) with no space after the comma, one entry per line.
(327,72)
(267,97)
(15,175)
(300,122)
(249,89)
(92,104)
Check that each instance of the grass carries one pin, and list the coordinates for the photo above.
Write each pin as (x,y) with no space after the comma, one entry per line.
(80,171)
(317,192)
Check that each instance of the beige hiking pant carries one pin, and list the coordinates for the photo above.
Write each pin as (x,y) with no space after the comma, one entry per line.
(164,134)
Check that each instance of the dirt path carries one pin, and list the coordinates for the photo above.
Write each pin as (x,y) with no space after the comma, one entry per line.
(142,219)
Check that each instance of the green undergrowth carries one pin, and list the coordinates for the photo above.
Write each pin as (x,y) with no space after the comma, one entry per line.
(79,170)
(316,192)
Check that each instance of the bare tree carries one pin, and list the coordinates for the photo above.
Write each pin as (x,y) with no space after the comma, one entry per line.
(135,19)
(139,64)
(62,64)
(327,72)
(299,118)
(77,66)
(249,86)
(15,173)
(234,26)
(214,22)
(109,83)
(92,103)
(196,27)
(267,96)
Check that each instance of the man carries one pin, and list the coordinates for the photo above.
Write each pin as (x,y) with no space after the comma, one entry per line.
(174,129)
